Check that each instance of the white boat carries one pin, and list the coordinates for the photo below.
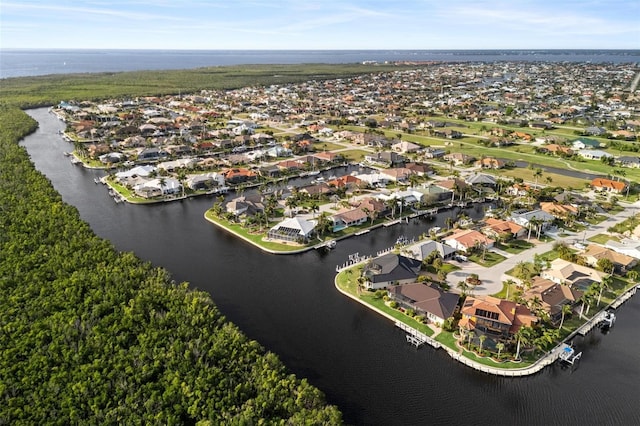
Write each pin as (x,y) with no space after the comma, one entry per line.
(331,244)
(609,319)
(313,173)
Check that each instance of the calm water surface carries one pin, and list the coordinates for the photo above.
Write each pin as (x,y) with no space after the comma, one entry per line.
(28,62)
(360,360)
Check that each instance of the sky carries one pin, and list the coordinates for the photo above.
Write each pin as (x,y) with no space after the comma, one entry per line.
(320,24)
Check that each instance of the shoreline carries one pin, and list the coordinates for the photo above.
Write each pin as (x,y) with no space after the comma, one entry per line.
(547,359)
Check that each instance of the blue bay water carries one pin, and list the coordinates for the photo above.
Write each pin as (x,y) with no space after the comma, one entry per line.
(33,62)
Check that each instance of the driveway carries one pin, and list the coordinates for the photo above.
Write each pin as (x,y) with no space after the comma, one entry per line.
(493,277)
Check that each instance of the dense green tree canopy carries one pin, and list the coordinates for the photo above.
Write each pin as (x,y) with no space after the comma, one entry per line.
(91,335)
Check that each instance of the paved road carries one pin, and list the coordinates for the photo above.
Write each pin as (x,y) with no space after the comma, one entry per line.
(493,277)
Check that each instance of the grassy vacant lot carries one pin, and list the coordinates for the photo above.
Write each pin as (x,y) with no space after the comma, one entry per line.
(488,260)
(603,238)
(355,155)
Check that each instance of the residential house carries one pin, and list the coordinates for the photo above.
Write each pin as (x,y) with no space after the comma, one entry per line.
(374,179)
(434,152)
(205,181)
(151,154)
(419,169)
(436,305)
(490,163)
(447,133)
(158,187)
(595,131)
(247,205)
(577,276)
(453,185)
(347,218)
(518,190)
(495,317)
(405,146)
(317,190)
(130,175)
(239,175)
(481,179)
(585,143)
(293,229)
(398,174)
(290,165)
(467,239)
(328,156)
(372,205)
(621,262)
(556,149)
(558,210)
(526,217)
(628,161)
(112,157)
(593,154)
(552,296)
(608,185)
(386,158)
(347,181)
(422,250)
(389,269)
(522,136)
(458,158)
(495,228)
(432,194)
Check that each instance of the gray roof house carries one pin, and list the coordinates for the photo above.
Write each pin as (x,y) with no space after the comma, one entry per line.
(422,250)
(389,269)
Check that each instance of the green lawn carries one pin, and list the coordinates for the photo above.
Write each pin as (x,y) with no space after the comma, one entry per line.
(347,280)
(327,146)
(256,239)
(509,290)
(515,246)
(603,238)
(596,219)
(490,259)
(355,155)
(447,339)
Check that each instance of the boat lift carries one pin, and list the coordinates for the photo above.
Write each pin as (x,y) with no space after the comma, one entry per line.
(568,354)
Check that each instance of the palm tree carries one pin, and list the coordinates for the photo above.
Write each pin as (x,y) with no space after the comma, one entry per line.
(391,203)
(566,309)
(508,283)
(604,285)
(182,177)
(537,173)
(523,336)
(499,347)
(314,208)
(482,339)
(324,223)
(413,180)
(291,203)
(633,275)
(464,287)
(448,221)
(470,336)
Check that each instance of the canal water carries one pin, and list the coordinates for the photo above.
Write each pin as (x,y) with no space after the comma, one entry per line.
(360,360)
